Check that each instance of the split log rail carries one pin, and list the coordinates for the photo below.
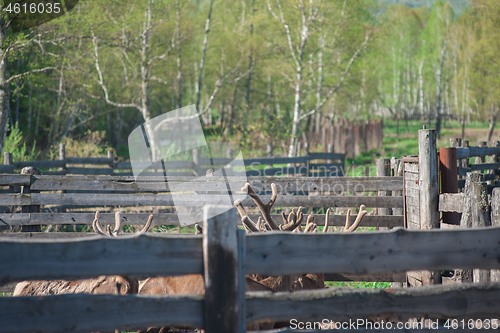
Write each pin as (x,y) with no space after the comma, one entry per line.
(223,308)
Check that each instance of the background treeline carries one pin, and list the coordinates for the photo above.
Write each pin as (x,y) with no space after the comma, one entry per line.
(258,71)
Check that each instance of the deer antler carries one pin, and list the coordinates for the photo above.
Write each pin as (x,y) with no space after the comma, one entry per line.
(148,225)
(245,219)
(325,228)
(96,225)
(118,224)
(264,208)
(310,226)
(199,229)
(357,222)
(294,221)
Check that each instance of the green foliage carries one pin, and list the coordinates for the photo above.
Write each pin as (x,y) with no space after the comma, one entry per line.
(378,285)
(15,143)
(93,144)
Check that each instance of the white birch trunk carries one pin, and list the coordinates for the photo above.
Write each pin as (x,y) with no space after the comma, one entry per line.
(421,84)
(202,61)
(145,74)
(439,73)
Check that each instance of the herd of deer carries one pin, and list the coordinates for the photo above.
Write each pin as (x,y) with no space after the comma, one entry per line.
(194,283)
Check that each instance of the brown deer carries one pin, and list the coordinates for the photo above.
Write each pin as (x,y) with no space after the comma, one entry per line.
(114,284)
(194,283)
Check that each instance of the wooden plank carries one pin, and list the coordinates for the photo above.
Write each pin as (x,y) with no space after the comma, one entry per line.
(413,201)
(150,199)
(220,258)
(346,326)
(477,151)
(451,202)
(276,160)
(143,255)
(89,171)
(411,184)
(14,200)
(485,166)
(411,167)
(375,277)
(6,168)
(463,171)
(327,166)
(286,171)
(217,161)
(278,253)
(283,184)
(45,235)
(40,164)
(411,176)
(103,313)
(15,180)
(338,304)
(390,221)
(412,192)
(326,156)
(89,160)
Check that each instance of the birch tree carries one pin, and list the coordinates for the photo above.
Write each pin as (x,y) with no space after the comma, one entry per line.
(298,26)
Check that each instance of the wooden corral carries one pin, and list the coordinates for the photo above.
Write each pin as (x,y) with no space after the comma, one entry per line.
(73,200)
(271,253)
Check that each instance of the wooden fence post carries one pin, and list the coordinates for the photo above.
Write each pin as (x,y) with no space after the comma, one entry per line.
(62,157)
(449,179)
(457,143)
(397,166)
(481,159)
(112,157)
(383,170)
(476,212)
(495,159)
(7,158)
(32,208)
(428,188)
(223,277)
(495,222)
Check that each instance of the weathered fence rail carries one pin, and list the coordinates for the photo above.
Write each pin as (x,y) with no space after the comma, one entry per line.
(272,254)
(100,191)
(333,165)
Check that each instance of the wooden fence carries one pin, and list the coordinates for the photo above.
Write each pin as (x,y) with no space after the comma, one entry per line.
(345,138)
(224,251)
(443,189)
(312,164)
(52,200)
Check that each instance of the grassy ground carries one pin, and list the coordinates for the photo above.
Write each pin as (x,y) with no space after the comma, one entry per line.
(406,143)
